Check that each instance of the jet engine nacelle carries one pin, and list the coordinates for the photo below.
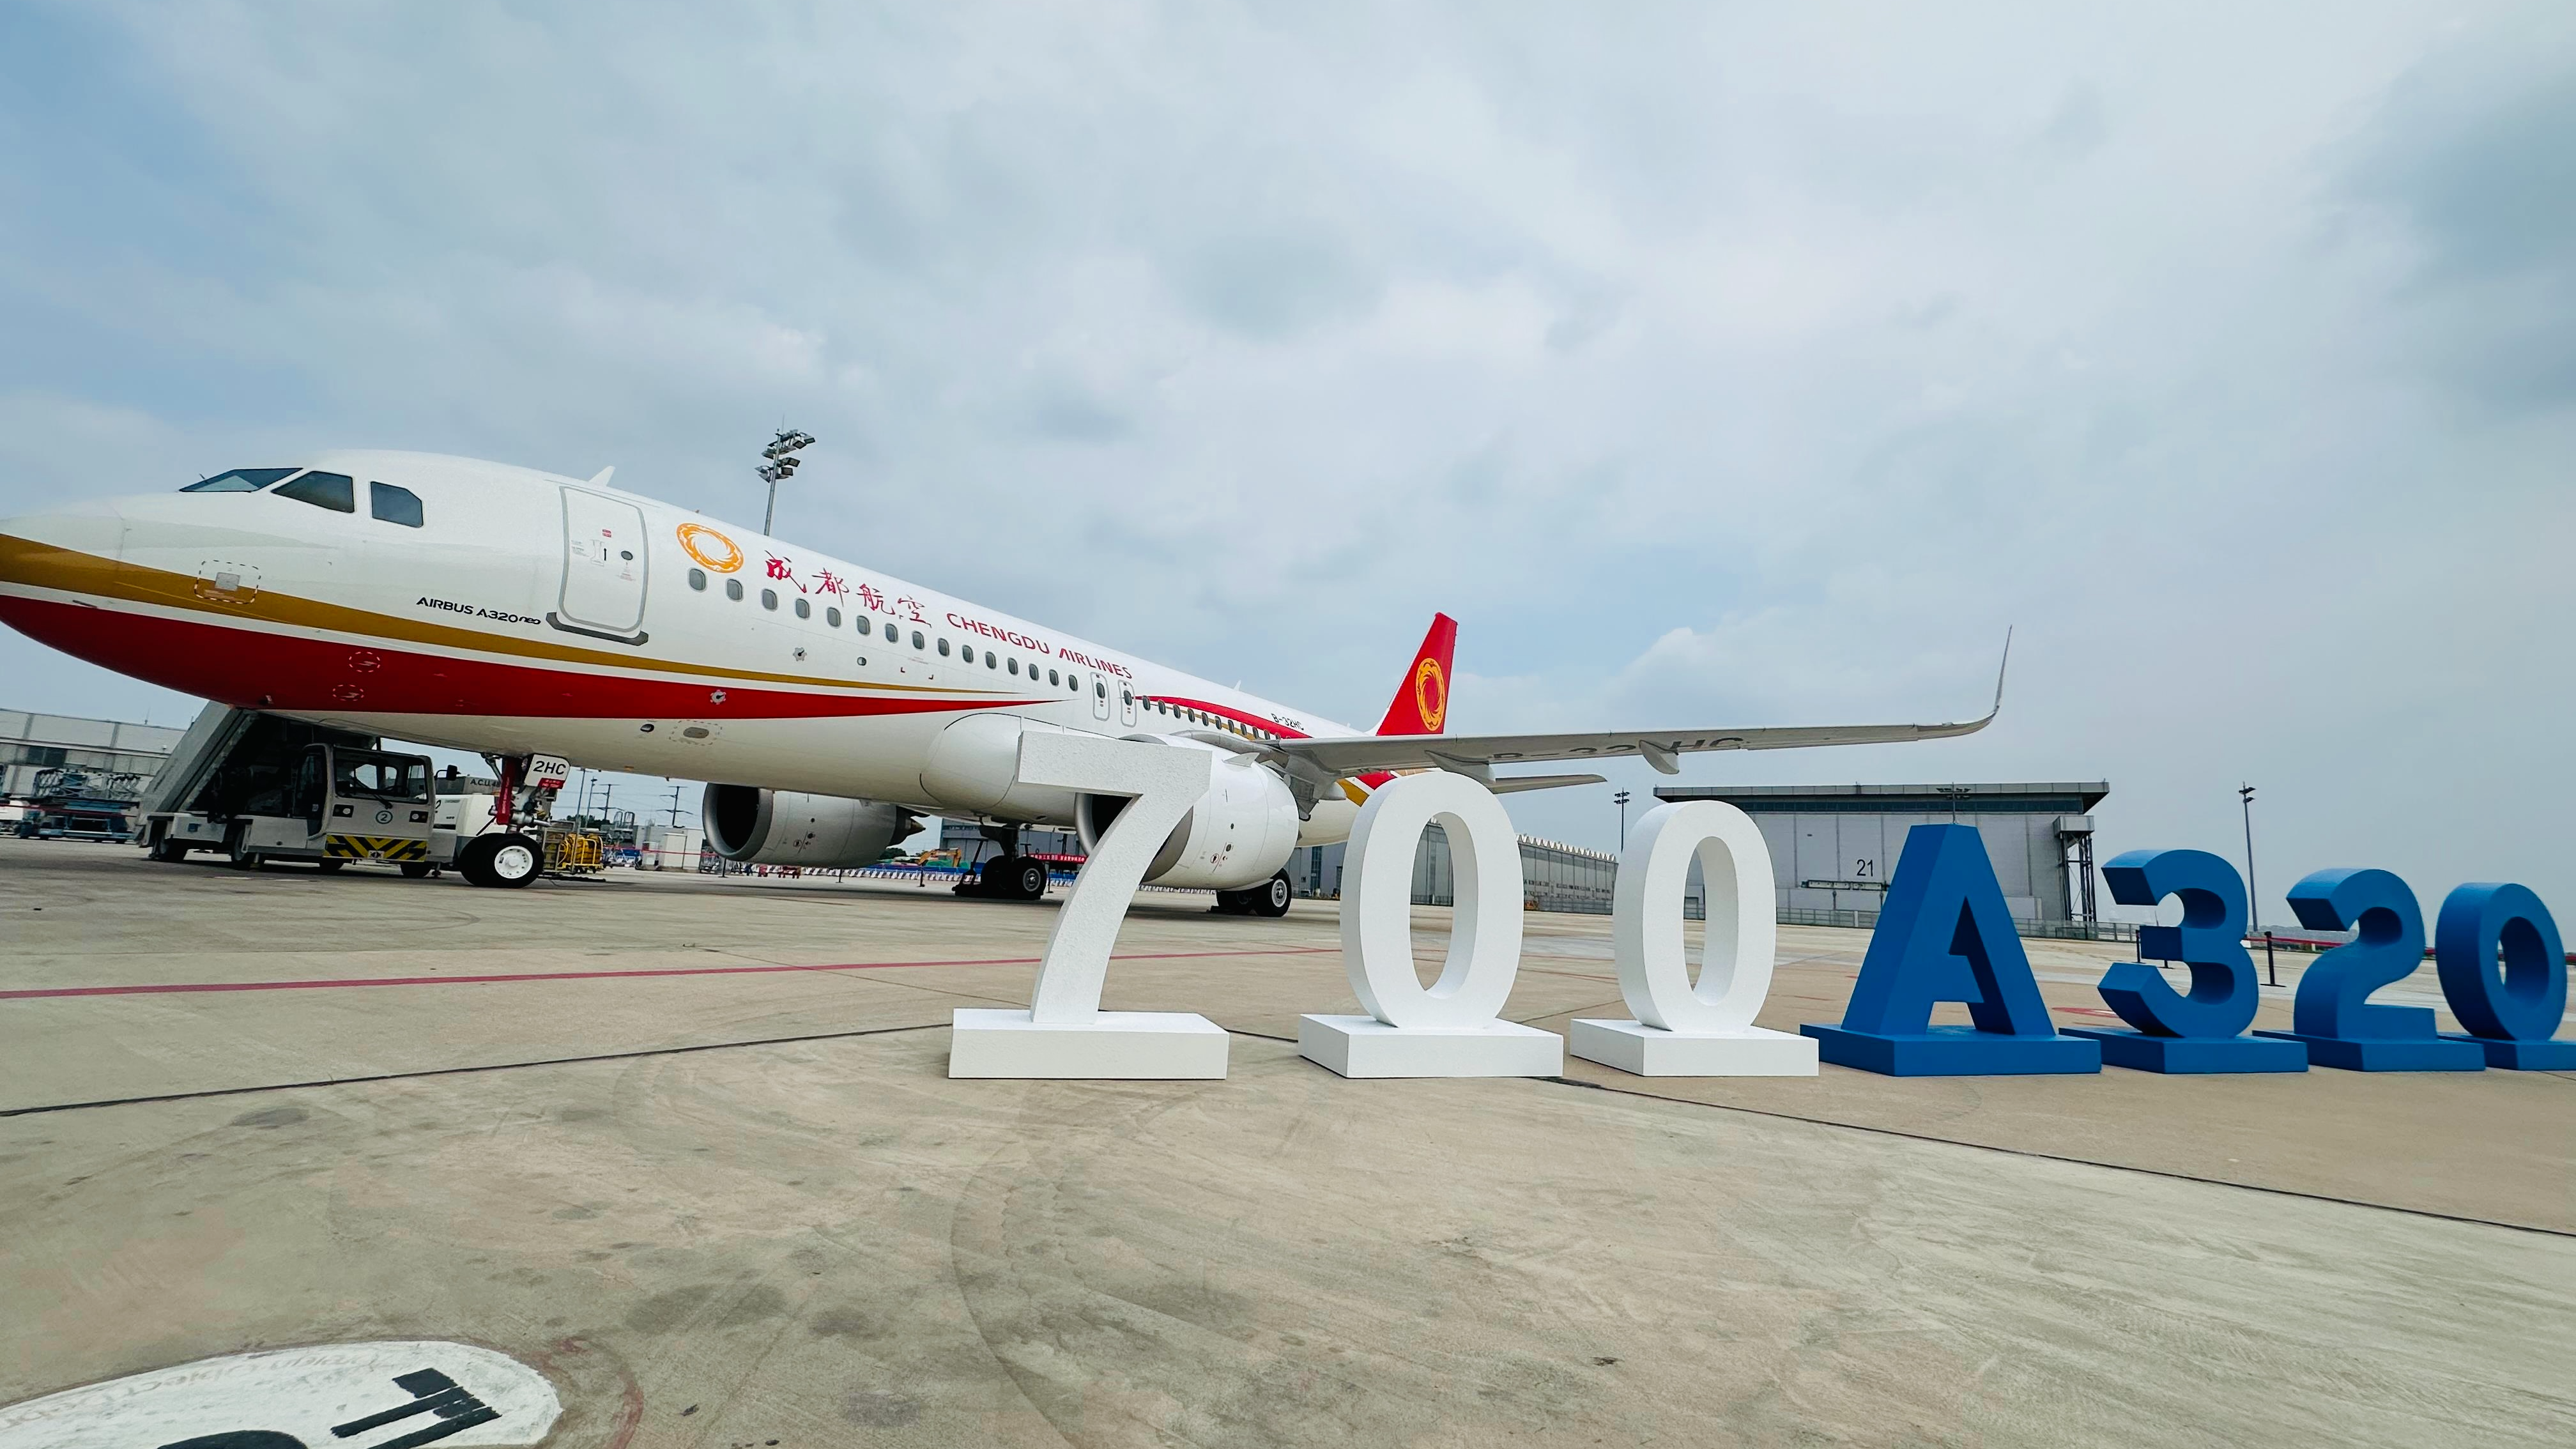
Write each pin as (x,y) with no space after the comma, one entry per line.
(1238,835)
(785,827)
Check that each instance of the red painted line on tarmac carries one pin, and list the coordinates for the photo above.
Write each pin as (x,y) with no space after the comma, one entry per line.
(184,986)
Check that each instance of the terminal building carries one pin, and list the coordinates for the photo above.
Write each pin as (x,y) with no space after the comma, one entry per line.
(1834,846)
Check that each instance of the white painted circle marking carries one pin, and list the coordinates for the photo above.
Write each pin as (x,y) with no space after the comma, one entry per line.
(302,1393)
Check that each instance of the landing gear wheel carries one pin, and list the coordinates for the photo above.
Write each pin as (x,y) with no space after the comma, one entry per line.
(500,860)
(1271,897)
(329,864)
(1025,880)
(418,869)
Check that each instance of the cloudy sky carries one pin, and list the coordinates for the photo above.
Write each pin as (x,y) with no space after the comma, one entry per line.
(1713,364)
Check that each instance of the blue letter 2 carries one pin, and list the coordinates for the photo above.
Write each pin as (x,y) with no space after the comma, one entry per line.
(2333,1016)
(2510,1019)
(1945,936)
(2200,1032)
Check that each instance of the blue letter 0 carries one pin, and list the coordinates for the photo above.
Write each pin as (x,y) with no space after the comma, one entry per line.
(2334,995)
(2477,921)
(2211,940)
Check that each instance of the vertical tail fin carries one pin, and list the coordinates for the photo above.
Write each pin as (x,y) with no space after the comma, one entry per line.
(1422,702)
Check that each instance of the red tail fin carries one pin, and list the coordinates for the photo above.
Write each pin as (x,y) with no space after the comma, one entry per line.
(1422,702)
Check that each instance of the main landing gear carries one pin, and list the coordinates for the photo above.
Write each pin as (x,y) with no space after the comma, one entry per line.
(1007,878)
(1270,898)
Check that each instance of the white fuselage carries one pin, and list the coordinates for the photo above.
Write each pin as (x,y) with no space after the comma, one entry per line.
(529,613)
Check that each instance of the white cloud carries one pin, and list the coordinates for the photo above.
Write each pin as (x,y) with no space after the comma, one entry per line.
(1711,363)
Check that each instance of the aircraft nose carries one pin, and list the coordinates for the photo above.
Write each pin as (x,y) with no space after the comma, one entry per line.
(38,548)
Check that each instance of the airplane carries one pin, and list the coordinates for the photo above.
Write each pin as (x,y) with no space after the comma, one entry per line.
(518,613)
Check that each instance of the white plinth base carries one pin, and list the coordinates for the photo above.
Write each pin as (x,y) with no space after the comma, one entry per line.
(1115,1045)
(1651,1051)
(1363,1046)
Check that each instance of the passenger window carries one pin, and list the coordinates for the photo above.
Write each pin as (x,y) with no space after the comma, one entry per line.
(239,480)
(698,580)
(335,491)
(992,660)
(943,648)
(891,636)
(394,505)
(966,652)
(733,590)
(1015,667)
(916,639)
(1100,687)
(832,617)
(1051,679)
(769,598)
(804,610)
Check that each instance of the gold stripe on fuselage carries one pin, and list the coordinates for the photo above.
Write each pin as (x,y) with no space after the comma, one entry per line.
(47,566)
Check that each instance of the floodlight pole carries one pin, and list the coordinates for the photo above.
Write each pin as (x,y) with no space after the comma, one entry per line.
(1621,800)
(2253,897)
(781,454)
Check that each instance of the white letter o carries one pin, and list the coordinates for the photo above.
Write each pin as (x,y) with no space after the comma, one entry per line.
(1646,918)
(1377,903)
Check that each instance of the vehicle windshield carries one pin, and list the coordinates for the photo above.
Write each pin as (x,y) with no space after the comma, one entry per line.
(379,776)
(239,480)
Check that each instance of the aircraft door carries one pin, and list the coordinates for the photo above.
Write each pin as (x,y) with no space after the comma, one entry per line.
(1127,703)
(604,558)
(1099,697)
(312,787)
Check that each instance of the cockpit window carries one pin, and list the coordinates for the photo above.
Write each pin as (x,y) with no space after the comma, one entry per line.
(239,480)
(335,491)
(394,505)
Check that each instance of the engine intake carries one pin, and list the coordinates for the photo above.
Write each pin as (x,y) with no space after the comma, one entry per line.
(785,827)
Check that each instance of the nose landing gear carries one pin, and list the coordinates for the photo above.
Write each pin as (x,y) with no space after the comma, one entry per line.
(504,857)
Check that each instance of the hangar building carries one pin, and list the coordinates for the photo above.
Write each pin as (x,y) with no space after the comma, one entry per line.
(1834,846)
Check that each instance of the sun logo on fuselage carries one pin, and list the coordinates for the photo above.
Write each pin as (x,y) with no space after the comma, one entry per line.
(1431,693)
(710,547)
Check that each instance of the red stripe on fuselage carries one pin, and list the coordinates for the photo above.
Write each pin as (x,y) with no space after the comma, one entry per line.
(256,670)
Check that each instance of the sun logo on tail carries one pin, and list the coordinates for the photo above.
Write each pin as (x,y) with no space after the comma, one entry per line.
(1431,693)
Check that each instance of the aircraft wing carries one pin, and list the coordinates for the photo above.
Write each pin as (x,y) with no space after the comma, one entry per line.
(1347,755)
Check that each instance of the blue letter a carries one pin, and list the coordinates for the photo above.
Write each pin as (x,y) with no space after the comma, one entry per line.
(1946,936)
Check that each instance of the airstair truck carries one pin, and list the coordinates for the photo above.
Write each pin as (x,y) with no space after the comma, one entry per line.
(258,788)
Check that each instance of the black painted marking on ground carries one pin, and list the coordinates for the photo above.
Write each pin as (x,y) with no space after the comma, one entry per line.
(2289,1192)
(712,1046)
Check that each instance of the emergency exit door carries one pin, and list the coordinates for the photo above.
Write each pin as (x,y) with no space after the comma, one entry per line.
(604,558)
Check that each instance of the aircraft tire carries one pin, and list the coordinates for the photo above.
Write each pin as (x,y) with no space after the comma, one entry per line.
(510,860)
(1022,879)
(1271,897)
